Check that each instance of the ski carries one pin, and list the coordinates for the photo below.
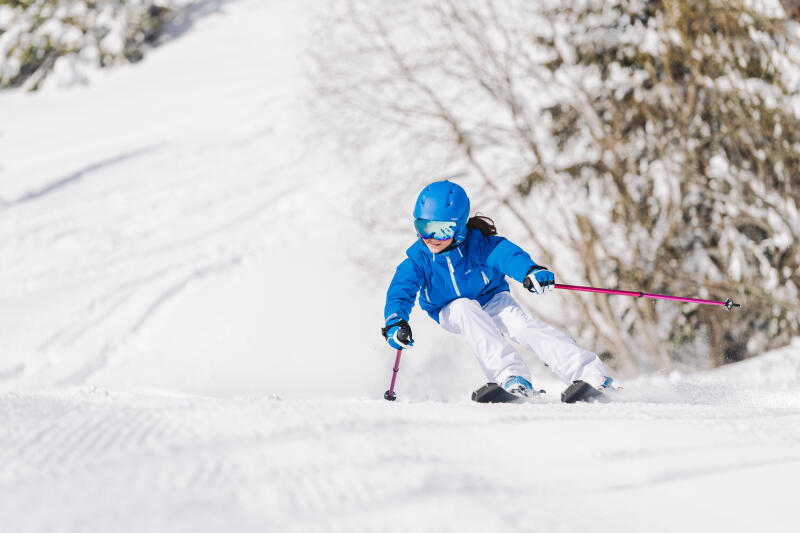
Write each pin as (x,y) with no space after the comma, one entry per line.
(494,393)
(580,391)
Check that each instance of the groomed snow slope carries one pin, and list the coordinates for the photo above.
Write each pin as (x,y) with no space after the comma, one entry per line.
(723,456)
(186,344)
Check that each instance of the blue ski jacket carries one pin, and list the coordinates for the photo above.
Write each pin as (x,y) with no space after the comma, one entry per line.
(476,269)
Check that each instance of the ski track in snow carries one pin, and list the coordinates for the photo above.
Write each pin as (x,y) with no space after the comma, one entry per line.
(129,232)
(137,463)
(76,176)
(188,258)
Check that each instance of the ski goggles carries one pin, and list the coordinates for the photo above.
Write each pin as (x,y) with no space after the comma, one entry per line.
(441,230)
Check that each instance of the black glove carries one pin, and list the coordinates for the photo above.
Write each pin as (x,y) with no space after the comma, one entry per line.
(398,335)
(539,280)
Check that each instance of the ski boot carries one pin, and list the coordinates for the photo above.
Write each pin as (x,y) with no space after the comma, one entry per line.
(520,387)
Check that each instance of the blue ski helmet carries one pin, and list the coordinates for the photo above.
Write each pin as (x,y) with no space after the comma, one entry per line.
(444,201)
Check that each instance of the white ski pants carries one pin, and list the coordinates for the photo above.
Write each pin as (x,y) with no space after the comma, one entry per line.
(488,328)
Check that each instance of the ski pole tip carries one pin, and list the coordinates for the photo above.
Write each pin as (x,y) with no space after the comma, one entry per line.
(730,305)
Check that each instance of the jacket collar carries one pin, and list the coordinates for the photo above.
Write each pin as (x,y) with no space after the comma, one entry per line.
(455,253)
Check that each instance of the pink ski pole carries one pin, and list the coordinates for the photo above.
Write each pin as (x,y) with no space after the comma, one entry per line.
(727,304)
(389,394)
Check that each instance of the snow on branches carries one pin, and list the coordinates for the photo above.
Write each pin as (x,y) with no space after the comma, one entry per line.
(67,39)
(687,113)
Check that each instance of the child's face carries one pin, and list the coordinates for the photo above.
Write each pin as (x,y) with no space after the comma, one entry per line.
(437,246)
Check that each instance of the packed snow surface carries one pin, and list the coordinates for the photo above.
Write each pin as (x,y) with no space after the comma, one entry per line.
(93,461)
(187,345)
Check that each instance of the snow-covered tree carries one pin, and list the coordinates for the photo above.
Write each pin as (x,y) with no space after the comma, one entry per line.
(684,113)
(640,144)
(70,38)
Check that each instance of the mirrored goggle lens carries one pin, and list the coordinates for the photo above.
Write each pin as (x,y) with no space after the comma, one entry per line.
(441,230)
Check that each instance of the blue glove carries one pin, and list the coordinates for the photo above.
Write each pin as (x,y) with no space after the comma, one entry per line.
(398,335)
(539,280)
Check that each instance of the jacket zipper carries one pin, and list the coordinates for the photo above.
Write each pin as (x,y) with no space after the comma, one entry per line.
(426,295)
(485,279)
(453,276)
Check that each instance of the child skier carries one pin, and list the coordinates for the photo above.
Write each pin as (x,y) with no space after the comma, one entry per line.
(458,266)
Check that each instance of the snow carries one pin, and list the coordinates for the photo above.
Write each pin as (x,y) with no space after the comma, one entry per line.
(99,461)
(187,344)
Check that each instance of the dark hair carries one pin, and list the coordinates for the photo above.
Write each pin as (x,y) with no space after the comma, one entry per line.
(483,224)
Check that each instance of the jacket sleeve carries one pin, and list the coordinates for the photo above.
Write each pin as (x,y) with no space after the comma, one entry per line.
(402,291)
(508,258)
